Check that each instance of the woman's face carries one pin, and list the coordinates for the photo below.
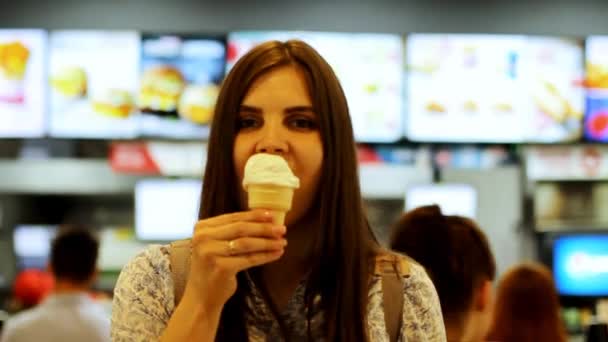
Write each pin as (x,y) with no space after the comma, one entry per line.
(276,116)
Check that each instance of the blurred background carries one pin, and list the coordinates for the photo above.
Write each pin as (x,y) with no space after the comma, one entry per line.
(496,110)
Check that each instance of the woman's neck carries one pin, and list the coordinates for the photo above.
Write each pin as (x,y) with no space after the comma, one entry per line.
(298,252)
(282,277)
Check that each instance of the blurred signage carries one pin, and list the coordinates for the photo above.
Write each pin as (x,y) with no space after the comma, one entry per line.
(158,158)
(567,162)
(472,157)
(367,154)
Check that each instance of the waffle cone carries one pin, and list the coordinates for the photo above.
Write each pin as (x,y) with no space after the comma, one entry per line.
(277,199)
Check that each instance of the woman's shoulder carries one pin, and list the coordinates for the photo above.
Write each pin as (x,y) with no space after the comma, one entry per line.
(422,318)
(150,269)
(403,264)
(414,276)
(143,296)
(414,269)
(155,257)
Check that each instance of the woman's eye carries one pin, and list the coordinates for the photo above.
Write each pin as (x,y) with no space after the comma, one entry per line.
(302,123)
(248,122)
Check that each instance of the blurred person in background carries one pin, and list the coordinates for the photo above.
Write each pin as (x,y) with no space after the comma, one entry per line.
(68,313)
(457,256)
(527,307)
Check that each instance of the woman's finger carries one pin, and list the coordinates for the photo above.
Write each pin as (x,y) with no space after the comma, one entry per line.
(237,230)
(257,215)
(239,247)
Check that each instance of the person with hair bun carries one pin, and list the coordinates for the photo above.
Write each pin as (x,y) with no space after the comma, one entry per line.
(457,256)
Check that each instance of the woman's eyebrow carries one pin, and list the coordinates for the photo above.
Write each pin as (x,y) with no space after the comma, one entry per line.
(250,109)
(299,109)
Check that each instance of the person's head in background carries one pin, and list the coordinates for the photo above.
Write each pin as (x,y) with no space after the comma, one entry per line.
(527,307)
(73,259)
(457,256)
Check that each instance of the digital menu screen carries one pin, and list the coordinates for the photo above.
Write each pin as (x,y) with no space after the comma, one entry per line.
(596,114)
(453,199)
(166,209)
(580,265)
(179,83)
(93,83)
(32,245)
(369,67)
(117,246)
(22,83)
(552,70)
(494,88)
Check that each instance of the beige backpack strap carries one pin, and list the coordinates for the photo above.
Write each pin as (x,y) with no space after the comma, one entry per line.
(179,254)
(392,269)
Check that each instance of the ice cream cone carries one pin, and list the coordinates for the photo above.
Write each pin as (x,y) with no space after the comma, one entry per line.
(277,199)
(270,184)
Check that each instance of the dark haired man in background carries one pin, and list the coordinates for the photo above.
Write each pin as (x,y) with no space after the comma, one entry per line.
(68,314)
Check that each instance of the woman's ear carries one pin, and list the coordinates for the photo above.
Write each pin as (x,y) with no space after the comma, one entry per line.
(484,296)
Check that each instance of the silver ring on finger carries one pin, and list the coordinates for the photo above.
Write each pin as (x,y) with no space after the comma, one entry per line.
(231,247)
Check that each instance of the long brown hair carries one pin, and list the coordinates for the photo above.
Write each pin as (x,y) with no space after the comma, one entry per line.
(527,307)
(343,243)
(453,250)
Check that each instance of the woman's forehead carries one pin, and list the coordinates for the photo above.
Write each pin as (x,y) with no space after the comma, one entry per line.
(283,84)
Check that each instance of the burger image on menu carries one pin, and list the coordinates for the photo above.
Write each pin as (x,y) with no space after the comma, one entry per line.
(179,77)
(70,82)
(114,102)
(161,87)
(197,103)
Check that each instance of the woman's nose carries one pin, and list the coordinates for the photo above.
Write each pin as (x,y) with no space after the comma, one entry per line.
(272,149)
(272,139)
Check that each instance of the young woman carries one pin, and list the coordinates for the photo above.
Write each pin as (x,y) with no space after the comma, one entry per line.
(245,281)
(457,256)
(527,307)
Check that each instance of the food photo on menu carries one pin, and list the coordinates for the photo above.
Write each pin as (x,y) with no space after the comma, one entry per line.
(93,83)
(464,88)
(369,67)
(596,114)
(553,70)
(22,90)
(179,84)
(494,88)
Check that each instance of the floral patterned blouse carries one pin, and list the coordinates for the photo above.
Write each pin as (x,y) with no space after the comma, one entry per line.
(144,302)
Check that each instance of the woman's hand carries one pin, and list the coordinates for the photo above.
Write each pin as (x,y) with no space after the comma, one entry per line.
(224,245)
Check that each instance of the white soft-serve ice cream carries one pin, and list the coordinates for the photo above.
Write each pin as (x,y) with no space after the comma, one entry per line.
(270,184)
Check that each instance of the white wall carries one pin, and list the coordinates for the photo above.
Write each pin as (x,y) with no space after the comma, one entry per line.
(499,211)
